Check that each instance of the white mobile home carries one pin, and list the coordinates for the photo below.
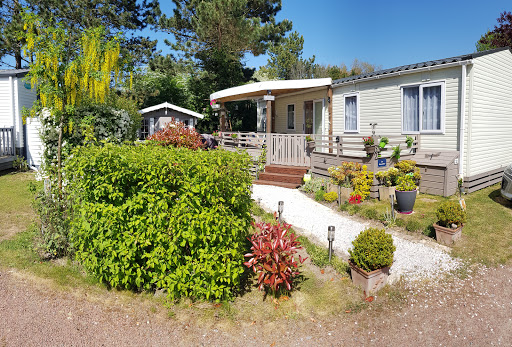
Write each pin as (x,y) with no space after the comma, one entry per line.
(461,104)
(15,94)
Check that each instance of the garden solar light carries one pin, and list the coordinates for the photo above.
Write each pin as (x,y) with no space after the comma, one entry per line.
(280,205)
(330,238)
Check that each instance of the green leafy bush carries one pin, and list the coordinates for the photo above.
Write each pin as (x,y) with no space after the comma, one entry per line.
(319,195)
(20,164)
(54,222)
(331,196)
(405,184)
(148,217)
(450,212)
(372,249)
(314,185)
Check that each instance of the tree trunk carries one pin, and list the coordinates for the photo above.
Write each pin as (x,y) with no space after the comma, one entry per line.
(59,157)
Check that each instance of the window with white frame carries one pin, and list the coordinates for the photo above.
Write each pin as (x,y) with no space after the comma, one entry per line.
(423,108)
(291,117)
(351,112)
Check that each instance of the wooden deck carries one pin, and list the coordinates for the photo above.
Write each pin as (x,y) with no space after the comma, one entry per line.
(6,162)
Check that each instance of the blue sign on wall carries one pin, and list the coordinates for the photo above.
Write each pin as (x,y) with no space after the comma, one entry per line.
(381,162)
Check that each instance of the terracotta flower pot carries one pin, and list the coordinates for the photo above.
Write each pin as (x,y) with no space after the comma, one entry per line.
(405,200)
(447,236)
(370,282)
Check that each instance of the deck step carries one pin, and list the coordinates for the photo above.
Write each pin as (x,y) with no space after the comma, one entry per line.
(281,177)
(290,170)
(277,184)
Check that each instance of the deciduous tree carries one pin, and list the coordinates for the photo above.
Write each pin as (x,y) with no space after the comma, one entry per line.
(501,36)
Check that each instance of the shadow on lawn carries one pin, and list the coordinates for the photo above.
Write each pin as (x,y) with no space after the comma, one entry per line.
(496,197)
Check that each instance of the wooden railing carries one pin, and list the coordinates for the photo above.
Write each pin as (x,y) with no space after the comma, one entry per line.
(7,147)
(242,139)
(353,145)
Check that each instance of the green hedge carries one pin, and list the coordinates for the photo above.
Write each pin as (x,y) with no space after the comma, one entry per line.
(148,217)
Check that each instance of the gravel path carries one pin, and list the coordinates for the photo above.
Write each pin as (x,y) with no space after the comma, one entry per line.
(414,260)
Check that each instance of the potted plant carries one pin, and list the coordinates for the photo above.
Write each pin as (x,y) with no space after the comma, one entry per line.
(383,142)
(409,140)
(405,193)
(451,217)
(310,144)
(369,144)
(387,181)
(396,153)
(371,256)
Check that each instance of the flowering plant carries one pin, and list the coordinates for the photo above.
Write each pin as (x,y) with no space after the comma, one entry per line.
(213,102)
(368,141)
(215,133)
(176,134)
(234,136)
(355,199)
(309,138)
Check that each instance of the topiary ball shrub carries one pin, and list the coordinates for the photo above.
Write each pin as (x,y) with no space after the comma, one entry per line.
(372,249)
(331,196)
(148,217)
(450,212)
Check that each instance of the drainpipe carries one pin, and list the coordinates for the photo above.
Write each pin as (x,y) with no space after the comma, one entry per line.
(462,118)
(13,113)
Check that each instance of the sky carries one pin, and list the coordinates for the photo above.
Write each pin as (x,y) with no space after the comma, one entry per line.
(384,33)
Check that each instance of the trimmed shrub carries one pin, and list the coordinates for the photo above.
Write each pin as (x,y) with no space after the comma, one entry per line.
(372,249)
(331,196)
(148,217)
(177,134)
(272,256)
(450,212)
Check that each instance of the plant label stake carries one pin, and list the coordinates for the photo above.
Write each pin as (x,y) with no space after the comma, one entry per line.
(330,238)
(280,205)
(392,199)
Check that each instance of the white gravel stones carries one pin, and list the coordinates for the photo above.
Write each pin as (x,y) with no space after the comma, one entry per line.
(413,260)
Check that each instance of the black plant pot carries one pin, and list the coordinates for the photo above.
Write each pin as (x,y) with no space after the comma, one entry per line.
(405,200)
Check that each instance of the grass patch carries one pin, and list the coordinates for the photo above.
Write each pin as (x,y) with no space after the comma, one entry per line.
(320,256)
(16,212)
(487,235)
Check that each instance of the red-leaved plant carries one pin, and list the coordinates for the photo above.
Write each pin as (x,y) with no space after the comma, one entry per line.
(272,256)
(177,134)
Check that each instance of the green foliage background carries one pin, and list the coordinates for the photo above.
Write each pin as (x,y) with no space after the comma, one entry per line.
(148,217)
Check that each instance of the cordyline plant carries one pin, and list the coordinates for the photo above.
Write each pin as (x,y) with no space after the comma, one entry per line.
(272,256)
(177,134)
